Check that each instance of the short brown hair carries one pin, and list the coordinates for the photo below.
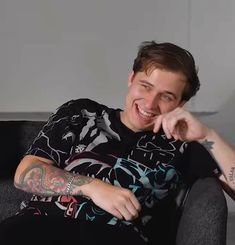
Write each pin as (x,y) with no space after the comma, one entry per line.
(152,55)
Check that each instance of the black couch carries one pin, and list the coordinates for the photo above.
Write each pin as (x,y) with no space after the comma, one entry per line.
(201,216)
(16,137)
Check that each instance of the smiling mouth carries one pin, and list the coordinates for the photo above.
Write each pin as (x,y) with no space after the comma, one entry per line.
(145,114)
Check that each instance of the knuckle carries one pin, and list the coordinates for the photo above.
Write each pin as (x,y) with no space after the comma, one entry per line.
(129,192)
(132,216)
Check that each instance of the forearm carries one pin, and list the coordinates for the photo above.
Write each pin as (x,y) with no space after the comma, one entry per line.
(226,188)
(47,180)
(42,178)
(224,154)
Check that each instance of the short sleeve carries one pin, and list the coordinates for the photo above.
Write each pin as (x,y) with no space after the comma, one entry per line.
(198,163)
(56,138)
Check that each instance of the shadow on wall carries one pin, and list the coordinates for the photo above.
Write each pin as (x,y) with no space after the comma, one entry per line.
(224,121)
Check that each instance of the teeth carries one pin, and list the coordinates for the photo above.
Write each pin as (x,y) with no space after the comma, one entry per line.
(146,114)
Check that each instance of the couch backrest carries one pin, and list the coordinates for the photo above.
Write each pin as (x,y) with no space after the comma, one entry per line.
(15,139)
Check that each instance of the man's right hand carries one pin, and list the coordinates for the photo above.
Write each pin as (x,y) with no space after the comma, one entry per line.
(39,176)
(118,201)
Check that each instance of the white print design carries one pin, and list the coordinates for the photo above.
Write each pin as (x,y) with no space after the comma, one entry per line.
(103,123)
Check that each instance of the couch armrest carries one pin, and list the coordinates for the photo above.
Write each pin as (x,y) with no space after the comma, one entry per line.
(204,216)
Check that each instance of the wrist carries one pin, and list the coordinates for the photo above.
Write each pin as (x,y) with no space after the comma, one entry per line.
(88,188)
(208,136)
(69,185)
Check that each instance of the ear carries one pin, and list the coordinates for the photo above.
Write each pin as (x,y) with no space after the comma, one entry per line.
(130,78)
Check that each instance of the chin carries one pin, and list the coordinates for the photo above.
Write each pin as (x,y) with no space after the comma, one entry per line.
(139,128)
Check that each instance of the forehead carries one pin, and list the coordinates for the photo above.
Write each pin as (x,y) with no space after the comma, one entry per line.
(164,81)
(164,76)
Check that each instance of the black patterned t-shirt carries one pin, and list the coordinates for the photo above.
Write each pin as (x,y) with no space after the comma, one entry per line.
(88,138)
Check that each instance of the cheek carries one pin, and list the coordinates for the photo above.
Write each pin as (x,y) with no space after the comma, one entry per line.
(134,93)
(167,107)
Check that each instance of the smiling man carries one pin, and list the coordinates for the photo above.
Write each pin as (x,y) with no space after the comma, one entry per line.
(151,94)
(97,173)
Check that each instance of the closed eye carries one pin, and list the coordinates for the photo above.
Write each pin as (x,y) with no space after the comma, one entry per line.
(167,97)
(147,86)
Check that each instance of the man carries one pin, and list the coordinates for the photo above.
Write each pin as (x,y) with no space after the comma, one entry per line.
(105,169)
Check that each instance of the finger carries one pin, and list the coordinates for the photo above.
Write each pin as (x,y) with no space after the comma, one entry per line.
(117,214)
(157,124)
(165,127)
(177,124)
(135,202)
(175,133)
(170,124)
(126,214)
(181,130)
(172,127)
(132,210)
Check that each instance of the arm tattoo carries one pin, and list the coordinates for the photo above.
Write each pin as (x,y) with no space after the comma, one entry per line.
(208,144)
(232,176)
(209,147)
(50,182)
(75,181)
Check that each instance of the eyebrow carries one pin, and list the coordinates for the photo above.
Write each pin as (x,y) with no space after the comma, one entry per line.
(146,82)
(164,92)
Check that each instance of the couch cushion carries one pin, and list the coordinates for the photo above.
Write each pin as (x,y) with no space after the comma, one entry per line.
(16,137)
(10,198)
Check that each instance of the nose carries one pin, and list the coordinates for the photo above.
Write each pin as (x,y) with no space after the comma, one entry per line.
(152,102)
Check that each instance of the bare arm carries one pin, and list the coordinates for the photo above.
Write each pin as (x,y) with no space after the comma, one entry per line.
(182,125)
(226,188)
(224,154)
(39,176)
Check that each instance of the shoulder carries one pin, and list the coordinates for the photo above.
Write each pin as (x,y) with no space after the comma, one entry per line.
(200,161)
(196,148)
(196,152)
(87,105)
(81,108)
(77,105)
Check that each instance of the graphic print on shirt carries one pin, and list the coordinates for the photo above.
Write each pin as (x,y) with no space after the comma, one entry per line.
(147,167)
(97,129)
(156,147)
(43,144)
(149,179)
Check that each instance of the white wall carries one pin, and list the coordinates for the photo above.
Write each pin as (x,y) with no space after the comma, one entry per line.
(55,50)
(212,40)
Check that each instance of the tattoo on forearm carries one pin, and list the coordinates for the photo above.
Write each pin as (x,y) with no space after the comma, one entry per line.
(78,180)
(232,176)
(39,180)
(208,145)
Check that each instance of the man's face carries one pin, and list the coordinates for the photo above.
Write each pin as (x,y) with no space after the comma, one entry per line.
(150,95)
